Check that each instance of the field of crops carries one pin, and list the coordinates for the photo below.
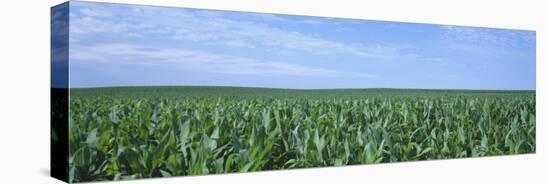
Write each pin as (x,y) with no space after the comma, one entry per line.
(133,132)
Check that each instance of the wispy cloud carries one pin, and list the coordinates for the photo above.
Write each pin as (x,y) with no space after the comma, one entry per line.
(238,44)
(213,27)
(485,44)
(146,45)
(311,22)
(94,25)
(194,60)
(60,34)
(502,38)
(95,13)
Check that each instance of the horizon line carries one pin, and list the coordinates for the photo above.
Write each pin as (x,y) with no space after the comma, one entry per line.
(262,87)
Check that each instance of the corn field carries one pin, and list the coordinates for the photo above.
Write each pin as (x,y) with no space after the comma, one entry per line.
(115,138)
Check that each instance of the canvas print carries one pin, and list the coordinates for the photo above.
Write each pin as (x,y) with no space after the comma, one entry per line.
(147,91)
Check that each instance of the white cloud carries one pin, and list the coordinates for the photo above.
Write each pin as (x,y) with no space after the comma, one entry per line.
(311,21)
(490,43)
(194,60)
(95,13)
(238,44)
(260,17)
(93,25)
(227,30)
(213,27)
(413,55)
(502,38)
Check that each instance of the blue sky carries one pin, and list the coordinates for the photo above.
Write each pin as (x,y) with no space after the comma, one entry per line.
(59,46)
(129,45)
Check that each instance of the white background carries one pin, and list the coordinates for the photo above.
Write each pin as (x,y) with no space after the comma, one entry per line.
(25,75)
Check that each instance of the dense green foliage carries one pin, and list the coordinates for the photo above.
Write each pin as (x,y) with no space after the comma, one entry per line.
(246,92)
(119,133)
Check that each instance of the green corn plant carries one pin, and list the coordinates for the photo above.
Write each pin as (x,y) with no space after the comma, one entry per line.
(127,134)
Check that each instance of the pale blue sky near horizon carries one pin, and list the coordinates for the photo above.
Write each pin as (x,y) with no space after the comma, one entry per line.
(135,45)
